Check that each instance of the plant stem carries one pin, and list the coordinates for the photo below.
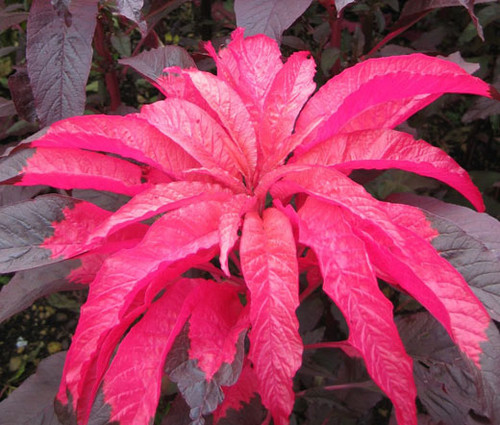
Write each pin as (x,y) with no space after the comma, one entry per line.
(363,384)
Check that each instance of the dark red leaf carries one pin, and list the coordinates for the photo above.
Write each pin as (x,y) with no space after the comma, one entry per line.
(7,108)
(33,402)
(131,9)
(59,48)
(151,63)
(270,17)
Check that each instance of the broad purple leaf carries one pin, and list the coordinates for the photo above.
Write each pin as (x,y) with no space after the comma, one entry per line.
(151,63)
(131,386)
(36,232)
(33,402)
(341,4)
(269,17)
(469,241)
(59,48)
(71,168)
(350,281)
(385,148)
(29,285)
(269,265)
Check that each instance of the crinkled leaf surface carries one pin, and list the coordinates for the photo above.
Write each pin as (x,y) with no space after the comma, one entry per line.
(270,17)
(350,282)
(59,47)
(269,265)
(33,402)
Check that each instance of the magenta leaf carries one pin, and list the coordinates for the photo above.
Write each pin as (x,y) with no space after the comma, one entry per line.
(37,392)
(131,386)
(269,265)
(270,17)
(151,63)
(350,282)
(59,47)
(130,137)
(470,242)
(71,168)
(376,82)
(382,149)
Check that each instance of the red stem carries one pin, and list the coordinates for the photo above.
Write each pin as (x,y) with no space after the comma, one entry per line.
(363,384)
(101,43)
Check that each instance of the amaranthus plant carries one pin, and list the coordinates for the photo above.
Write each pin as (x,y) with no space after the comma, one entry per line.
(241,179)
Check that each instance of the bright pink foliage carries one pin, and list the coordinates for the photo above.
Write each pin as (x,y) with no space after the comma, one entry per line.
(207,161)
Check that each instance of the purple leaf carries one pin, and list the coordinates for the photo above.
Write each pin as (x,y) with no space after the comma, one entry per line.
(341,4)
(59,51)
(7,107)
(470,241)
(22,95)
(29,285)
(269,17)
(33,402)
(131,9)
(152,62)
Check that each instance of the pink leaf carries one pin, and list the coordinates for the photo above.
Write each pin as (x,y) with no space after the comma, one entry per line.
(289,91)
(378,81)
(217,311)
(59,46)
(351,283)
(128,136)
(381,149)
(132,384)
(409,260)
(156,200)
(195,131)
(269,264)
(232,114)
(72,169)
(269,17)
(249,65)
(102,322)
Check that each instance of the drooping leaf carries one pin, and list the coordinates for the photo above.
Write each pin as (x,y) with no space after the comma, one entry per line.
(59,47)
(341,4)
(131,386)
(269,265)
(404,257)
(469,241)
(376,82)
(384,148)
(151,63)
(270,17)
(33,402)
(131,9)
(102,323)
(71,168)
(11,15)
(350,282)
(44,230)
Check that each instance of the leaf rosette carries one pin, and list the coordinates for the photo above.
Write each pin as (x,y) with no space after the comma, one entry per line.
(251,168)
